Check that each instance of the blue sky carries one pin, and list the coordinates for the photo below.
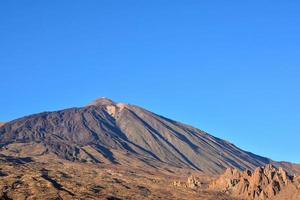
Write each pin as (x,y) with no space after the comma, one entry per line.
(230,68)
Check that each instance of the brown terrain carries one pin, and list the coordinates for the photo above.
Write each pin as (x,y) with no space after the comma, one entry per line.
(59,179)
(2,123)
(109,150)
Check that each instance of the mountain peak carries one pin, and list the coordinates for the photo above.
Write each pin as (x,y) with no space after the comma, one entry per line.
(113,108)
(102,101)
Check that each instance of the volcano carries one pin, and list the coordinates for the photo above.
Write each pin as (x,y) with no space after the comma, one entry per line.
(122,134)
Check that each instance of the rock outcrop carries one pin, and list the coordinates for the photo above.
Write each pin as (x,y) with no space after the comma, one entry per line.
(291,192)
(179,184)
(192,182)
(291,168)
(263,183)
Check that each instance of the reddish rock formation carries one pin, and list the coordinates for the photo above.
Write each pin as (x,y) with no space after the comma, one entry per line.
(194,182)
(264,183)
(291,192)
(291,168)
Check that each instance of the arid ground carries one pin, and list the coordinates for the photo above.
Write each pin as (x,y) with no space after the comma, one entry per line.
(59,179)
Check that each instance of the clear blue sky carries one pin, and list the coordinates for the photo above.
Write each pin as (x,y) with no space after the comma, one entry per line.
(231,68)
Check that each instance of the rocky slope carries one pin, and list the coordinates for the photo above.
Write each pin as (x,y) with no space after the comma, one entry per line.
(291,168)
(292,192)
(118,133)
(266,182)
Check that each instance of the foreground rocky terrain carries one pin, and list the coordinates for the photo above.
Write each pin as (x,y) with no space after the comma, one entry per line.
(24,178)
